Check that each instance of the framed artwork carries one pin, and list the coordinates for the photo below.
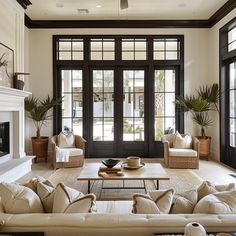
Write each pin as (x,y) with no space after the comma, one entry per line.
(6,66)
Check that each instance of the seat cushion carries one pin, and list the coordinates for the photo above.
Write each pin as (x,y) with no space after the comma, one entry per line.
(73,151)
(182,152)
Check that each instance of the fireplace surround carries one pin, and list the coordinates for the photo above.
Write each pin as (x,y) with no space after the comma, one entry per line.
(17,163)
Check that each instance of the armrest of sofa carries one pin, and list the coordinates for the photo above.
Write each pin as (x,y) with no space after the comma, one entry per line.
(80,142)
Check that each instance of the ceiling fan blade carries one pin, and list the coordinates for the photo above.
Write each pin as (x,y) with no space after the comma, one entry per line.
(124,4)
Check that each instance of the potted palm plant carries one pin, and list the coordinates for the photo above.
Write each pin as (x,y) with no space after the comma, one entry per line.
(199,106)
(38,111)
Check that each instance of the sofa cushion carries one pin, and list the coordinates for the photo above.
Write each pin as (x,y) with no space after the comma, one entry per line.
(184,203)
(73,151)
(66,140)
(157,202)
(182,152)
(207,188)
(217,203)
(32,184)
(17,199)
(68,200)
(182,142)
(46,194)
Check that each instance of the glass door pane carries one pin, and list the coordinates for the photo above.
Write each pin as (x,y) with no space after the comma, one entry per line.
(133,105)
(232,105)
(103,105)
(164,102)
(72,105)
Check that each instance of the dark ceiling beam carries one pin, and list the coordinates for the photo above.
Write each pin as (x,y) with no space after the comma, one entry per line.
(216,17)
(222,12)
(24,3)
(117,23)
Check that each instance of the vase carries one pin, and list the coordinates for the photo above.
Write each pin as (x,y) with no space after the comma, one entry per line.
(194,229)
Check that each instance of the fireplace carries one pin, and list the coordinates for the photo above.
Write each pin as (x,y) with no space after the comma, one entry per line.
(4,138)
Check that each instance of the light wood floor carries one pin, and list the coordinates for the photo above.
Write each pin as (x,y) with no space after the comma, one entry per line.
(209,170)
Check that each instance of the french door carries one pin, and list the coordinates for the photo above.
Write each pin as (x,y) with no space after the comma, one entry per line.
(117,112)
(120,111)
(230,145)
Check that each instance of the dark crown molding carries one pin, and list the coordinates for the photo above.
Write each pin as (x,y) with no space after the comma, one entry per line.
(216,17)
(24,3)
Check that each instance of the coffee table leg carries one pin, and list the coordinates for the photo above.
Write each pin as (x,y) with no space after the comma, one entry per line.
(157,184)
(88,186)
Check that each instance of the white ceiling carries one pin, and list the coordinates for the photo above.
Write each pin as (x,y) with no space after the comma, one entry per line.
(110,9)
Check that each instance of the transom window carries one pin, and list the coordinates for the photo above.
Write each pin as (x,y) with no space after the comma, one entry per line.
(232,39)
(70,49)
(134,49)
(102,49)
(166,49)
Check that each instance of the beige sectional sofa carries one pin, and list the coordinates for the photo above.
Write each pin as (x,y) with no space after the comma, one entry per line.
(112,219)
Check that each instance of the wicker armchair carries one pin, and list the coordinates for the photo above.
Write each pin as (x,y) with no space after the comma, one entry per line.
(74,160)
(180,158)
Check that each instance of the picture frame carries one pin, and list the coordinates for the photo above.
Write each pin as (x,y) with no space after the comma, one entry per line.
(6,66)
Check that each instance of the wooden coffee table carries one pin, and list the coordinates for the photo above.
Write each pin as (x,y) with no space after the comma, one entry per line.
(151,171)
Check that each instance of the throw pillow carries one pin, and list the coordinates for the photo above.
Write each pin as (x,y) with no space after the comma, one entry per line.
(68,200)
(32,184)
(46,194)
(207,188)
(184,203)
(17,199)
(66,140)
(217,203)
(182,142)
(157,202)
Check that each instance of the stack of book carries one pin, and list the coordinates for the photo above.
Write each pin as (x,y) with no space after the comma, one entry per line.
(107,170)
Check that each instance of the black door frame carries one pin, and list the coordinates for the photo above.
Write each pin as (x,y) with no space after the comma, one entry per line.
(225,59)
(149,64)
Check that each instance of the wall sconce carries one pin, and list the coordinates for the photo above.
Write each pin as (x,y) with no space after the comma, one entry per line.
(17,82)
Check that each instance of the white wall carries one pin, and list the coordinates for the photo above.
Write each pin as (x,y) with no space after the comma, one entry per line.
(201,59)
(213,76)
(12,30)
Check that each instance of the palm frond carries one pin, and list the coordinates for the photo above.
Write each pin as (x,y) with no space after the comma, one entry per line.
(202,119)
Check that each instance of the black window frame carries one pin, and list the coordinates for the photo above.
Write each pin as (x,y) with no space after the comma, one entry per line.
(149,64)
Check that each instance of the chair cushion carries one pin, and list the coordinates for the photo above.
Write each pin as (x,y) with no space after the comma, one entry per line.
(179,152)
(18,199)
(66,140)
(182,142)
(217,203)
(73,151)
(69,200)
(157,202)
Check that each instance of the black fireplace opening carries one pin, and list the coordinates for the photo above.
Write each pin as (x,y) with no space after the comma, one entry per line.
(4,138)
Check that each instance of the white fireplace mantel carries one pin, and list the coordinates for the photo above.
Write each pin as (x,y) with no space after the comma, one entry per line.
(12,100)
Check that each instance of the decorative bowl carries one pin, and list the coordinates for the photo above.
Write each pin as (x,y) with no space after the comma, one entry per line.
(110,162)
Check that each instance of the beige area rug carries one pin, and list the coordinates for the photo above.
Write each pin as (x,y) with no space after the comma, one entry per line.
(180,179)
